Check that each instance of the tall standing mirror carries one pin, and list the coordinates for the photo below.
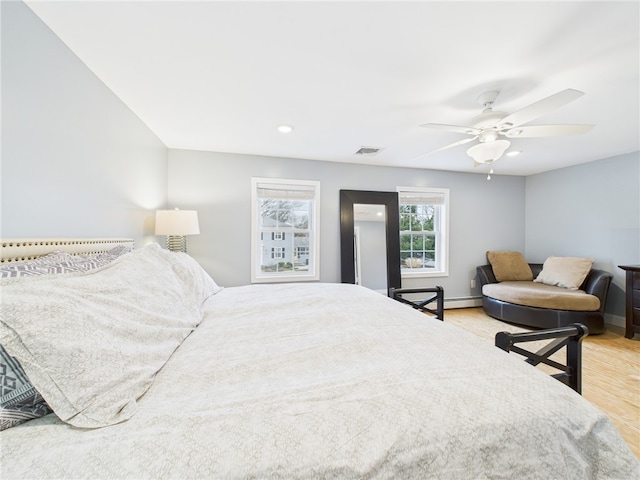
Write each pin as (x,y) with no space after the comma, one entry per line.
(369,245)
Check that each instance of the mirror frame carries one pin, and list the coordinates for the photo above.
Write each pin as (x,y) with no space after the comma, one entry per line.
(392,227)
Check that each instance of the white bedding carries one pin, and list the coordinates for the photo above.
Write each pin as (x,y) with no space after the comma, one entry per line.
(332,381)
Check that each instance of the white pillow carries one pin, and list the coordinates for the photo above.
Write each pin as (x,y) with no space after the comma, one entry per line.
(92,342)
(565,272)
(194,279)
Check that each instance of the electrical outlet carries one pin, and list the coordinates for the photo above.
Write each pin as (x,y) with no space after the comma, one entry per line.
(473,283)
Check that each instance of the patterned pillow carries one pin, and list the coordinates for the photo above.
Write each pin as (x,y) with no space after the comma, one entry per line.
(39,266)
(62,262)
(96,260)
(19,400)
(52,259)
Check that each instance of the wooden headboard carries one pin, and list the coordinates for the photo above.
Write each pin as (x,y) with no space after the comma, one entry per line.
(22,249)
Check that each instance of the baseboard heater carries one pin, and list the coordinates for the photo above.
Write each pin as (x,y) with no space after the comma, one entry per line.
(462,302)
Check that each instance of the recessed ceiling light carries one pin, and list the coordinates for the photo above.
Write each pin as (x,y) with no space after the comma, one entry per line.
(513,153)
(285,128)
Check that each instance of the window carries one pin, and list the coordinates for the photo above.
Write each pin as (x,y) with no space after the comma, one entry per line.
(424,228)
(284,230)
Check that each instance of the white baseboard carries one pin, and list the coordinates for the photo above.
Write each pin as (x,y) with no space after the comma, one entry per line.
(615,320)
(463,302)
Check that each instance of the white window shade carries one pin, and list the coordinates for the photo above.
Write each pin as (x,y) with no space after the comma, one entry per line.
(285,192)
(422,198)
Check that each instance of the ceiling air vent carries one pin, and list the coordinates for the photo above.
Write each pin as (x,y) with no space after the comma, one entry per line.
(368,151)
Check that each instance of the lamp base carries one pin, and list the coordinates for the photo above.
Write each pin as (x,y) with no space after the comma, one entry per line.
(177,243)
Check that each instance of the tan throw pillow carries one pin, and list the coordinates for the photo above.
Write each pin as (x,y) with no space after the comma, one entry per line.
(509,266)
(566,272)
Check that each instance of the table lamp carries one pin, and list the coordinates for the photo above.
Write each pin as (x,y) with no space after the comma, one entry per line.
(176,225)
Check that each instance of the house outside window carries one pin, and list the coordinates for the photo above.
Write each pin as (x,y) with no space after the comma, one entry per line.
(424,230)
(284,230)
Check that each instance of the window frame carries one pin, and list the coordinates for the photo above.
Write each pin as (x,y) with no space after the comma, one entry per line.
(441,233)
(257,231)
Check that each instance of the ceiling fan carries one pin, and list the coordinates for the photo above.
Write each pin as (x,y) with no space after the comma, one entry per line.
(490,126)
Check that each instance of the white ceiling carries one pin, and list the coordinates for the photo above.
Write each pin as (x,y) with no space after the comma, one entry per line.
(221,76)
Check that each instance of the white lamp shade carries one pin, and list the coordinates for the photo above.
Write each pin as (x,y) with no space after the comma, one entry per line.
(488,152)
(177,222)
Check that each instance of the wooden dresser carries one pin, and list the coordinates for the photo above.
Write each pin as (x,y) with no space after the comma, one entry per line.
(632,287)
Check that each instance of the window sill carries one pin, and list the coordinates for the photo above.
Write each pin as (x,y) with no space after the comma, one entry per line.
(285,278)
(423,274)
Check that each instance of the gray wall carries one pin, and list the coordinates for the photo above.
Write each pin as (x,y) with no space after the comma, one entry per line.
(485,215)
(75,160)
(589,210)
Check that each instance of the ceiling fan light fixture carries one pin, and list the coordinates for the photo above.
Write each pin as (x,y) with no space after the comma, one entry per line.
(488,136)
(488,152)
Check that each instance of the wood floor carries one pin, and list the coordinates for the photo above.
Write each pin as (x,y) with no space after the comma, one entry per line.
(610,370)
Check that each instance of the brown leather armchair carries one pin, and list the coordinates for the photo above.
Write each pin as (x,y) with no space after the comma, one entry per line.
(596,283)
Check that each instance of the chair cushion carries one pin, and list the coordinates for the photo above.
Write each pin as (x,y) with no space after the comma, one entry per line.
(565,272)
(509,266)
(532,294)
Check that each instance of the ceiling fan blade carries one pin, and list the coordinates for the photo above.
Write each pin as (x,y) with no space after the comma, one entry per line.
(451,145)
(539,108)
(454,144)
(452,128)
(547,131)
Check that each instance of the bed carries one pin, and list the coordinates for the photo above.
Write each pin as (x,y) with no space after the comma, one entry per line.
(154,371)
